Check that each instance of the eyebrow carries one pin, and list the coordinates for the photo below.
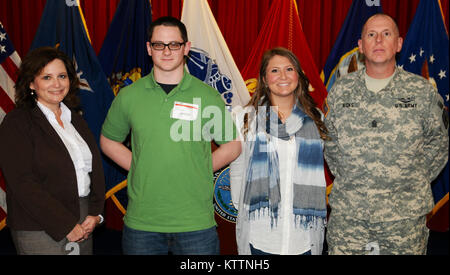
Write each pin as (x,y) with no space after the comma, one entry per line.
(173,41)
(381,31)
(278,67)
(44,73)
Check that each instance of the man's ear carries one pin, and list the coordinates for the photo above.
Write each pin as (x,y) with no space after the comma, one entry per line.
(360,46)
(149,49)
(187,48)
(399,44)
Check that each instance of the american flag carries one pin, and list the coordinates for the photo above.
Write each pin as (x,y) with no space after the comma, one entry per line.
(425,52)
(9,64)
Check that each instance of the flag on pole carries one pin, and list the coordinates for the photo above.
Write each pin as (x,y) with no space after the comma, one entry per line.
(124,55)
(282,28)
(425,52)
(125,59)
(9,64)
(210,60)
(344,57)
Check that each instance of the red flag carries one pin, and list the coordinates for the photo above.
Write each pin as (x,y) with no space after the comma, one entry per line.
(9,64)
(282,28)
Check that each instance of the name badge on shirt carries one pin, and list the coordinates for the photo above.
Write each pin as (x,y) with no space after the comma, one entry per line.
(184,111)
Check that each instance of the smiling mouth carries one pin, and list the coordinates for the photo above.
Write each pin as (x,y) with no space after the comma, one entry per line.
(56,92)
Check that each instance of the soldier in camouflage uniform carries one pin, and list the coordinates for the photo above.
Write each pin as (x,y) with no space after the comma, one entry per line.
(388,134)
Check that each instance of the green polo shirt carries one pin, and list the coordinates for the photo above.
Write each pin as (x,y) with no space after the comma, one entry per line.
(170,182)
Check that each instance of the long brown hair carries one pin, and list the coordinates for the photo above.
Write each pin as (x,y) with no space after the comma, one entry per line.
(262,92)
(32,65)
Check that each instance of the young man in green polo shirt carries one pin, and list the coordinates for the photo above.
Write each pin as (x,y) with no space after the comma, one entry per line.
(170,180)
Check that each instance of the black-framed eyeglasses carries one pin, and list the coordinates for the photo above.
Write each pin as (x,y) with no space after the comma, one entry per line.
(173,46)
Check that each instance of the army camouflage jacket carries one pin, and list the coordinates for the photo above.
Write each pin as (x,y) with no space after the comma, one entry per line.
(385,148)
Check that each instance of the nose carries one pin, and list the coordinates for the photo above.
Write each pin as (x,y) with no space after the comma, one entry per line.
(283,75)
(57,82)
(166,50)
(379,37)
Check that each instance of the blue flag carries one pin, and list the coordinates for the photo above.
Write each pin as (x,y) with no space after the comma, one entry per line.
(125,59)
(62,26)
(344,57)
(124,55)
(425,52)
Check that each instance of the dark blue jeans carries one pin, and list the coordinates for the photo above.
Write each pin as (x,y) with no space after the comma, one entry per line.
(202,242)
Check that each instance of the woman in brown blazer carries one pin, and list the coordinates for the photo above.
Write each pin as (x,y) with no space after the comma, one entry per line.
(50,160)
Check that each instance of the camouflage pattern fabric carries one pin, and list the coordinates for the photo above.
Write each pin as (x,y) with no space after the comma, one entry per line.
(385,148)
(356,237)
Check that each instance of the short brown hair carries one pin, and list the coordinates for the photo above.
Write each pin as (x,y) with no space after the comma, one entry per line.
(168,21)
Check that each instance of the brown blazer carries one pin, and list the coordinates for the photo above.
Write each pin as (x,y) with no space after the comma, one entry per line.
(41,184)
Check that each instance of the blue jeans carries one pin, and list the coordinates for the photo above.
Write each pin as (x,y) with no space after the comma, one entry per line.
(202,242)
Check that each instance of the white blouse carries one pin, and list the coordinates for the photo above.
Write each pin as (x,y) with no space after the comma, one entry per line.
(76,146)
(287,237)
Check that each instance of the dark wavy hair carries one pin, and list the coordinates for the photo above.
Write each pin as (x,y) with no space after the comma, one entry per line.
(262,93)
(32,65)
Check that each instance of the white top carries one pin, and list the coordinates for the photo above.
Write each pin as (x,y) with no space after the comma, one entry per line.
(76,146)
(286,238)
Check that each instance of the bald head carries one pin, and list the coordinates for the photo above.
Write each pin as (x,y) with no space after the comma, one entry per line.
(381,15)
(379,43)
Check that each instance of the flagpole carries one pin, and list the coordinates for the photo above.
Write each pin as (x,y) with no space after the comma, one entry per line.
(296,9)
(84,21)
(443,16)
(2,224)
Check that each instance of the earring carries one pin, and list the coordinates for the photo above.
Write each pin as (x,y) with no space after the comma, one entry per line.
(32,92)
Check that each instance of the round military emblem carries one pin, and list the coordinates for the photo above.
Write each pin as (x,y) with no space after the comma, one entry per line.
(223,204)
(202,66)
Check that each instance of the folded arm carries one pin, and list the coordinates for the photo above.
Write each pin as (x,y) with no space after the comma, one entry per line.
(225,154)
(116,151)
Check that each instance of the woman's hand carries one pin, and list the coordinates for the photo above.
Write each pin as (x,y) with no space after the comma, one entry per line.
(77,234)
(89,224)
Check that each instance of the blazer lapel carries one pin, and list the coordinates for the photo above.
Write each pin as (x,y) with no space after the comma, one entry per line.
(81,129)
(42,122)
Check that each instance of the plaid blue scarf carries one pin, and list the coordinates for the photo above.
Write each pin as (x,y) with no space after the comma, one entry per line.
(262,192)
